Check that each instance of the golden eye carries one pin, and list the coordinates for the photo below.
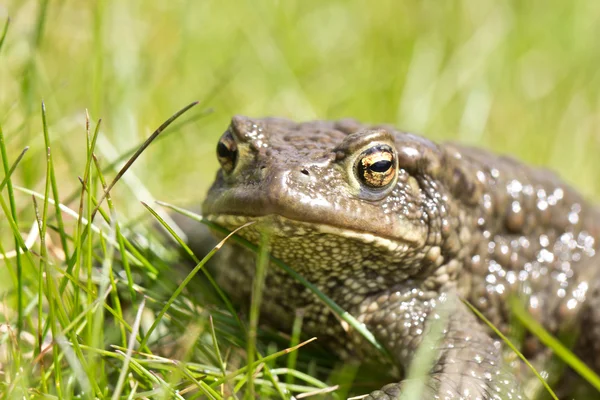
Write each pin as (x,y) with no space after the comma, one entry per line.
(227,152)
(376,166)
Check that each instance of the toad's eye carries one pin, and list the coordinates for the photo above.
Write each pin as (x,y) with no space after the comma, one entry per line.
(227,152)
(376,166)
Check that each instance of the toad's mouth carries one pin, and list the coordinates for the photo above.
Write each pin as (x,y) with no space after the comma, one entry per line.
(277,227)
(291,211)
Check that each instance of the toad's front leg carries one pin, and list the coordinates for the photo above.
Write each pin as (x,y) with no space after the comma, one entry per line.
(466,364)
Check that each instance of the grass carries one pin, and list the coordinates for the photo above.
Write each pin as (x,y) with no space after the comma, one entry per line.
(517,77)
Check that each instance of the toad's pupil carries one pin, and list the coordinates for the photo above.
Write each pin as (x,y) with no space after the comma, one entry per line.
(223,150)
(381,166)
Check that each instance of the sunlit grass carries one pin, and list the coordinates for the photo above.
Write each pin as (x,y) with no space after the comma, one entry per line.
(91,309)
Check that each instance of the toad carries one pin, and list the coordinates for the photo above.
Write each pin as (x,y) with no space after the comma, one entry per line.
(396,229)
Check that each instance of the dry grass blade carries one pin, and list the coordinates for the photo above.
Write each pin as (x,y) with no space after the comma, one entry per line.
(317,392)
(143,147)
(130,345)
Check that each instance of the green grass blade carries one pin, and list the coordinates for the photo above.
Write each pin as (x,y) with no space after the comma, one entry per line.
(119,238)
(12,168)
(55,195)
(512,346)
(40,329)
(551,342)
(191,254)
(13,214)
(206,390)
(255,364)
(42,225)
(215,343)
(4,32)
(74,265)
(295,339)
(257,291)
(183,284)
(156,379)
(339,311)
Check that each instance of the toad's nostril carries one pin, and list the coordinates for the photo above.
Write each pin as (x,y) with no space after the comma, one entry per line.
(304,171)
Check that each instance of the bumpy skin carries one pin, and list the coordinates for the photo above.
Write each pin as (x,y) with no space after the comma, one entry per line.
(455,222)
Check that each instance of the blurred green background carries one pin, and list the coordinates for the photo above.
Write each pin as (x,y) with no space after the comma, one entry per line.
(518,77)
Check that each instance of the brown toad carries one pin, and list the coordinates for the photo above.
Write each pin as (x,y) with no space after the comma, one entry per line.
(392,226)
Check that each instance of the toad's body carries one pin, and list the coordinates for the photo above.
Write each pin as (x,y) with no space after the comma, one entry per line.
(392,227)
